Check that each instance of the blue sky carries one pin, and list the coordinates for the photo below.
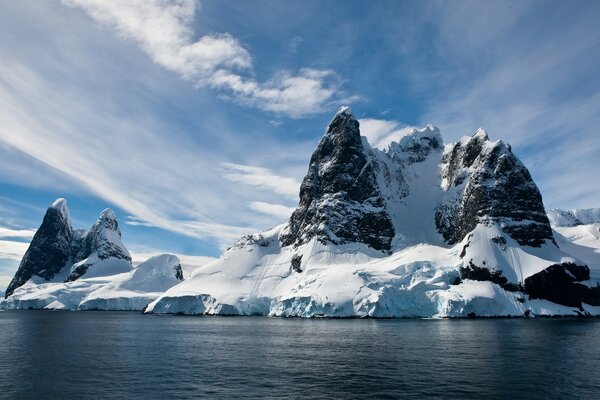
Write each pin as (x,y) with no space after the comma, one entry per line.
(195,121)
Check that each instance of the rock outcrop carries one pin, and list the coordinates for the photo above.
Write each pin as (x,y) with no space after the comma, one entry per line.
(101,242)
(57,250)
(562,284)
(340,201)
(487,184)
(50,249)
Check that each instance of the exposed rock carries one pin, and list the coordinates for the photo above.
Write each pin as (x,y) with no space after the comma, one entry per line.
(559,283)
(103,241)
(50,248)
(340,201)
(486,184)
(297,262)
(475,273)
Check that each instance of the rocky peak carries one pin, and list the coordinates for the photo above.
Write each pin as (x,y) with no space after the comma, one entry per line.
(104,238)
(50,248)
(569,218)
(486,183)
(108,220)
(340,200)
(416,146)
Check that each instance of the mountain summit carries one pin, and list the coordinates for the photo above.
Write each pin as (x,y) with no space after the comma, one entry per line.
(417,229)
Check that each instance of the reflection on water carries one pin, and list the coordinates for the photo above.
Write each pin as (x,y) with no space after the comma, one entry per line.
(128,355)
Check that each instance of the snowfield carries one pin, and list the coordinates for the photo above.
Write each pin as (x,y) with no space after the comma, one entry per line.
(131,290)
(256,277)
(418,229)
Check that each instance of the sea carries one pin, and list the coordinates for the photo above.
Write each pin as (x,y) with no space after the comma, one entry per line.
(128,355)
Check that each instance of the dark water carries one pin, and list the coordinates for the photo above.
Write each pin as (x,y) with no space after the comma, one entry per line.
(101,355)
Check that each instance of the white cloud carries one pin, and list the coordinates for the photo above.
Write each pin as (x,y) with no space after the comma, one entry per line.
(263,178)
(163,29)
(381,132)
(113,156)
(16,233)
(12,250)
(276,210)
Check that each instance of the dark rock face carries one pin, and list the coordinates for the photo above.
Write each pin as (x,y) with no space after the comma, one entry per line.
(100,240)
(56,245)
(178,272)
(559,284)
(97,240)
(486,183)
(340,201)
(475,273)
(297,263)
(49,250)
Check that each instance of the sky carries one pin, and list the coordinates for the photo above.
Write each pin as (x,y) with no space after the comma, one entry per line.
(195,120)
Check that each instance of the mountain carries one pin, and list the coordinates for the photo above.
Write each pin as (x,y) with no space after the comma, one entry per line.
(100,250)
(575,217)
(340,201)
(420,229)
(57,252)
(50,249)
(72,269)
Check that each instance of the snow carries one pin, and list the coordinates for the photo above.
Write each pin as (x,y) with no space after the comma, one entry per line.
(352,280)
(131,290)
(417,278)
(60,205)
(569,218)
(582,242)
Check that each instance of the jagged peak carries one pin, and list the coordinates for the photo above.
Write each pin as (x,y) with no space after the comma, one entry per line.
(107,214)
(345,110)
(60,205)
(481,134)
(343,130)
(574,217)
(108,220)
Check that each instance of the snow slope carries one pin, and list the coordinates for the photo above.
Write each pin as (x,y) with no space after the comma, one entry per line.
(417,229)
(312,266)
(353,280)
(131,290)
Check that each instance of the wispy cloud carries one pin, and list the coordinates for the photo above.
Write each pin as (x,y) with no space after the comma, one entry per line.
(164,31)
(276,210)
(381,132)
(16,233)
(263,178)
(536,94)
(12,250)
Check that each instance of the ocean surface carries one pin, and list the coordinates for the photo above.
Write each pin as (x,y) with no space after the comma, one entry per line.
(110,355)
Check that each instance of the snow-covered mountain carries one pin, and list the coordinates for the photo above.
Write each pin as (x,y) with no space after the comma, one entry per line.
(575,217)
(65,268)
(419,229)
(416,230)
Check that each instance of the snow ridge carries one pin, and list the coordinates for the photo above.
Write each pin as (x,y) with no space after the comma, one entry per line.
(417,229)
(574,217)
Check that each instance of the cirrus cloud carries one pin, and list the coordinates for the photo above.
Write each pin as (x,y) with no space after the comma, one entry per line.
(163,30)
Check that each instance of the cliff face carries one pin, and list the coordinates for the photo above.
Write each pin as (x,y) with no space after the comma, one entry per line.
(50,248)
(340,201)
(487,184)
(56,247)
